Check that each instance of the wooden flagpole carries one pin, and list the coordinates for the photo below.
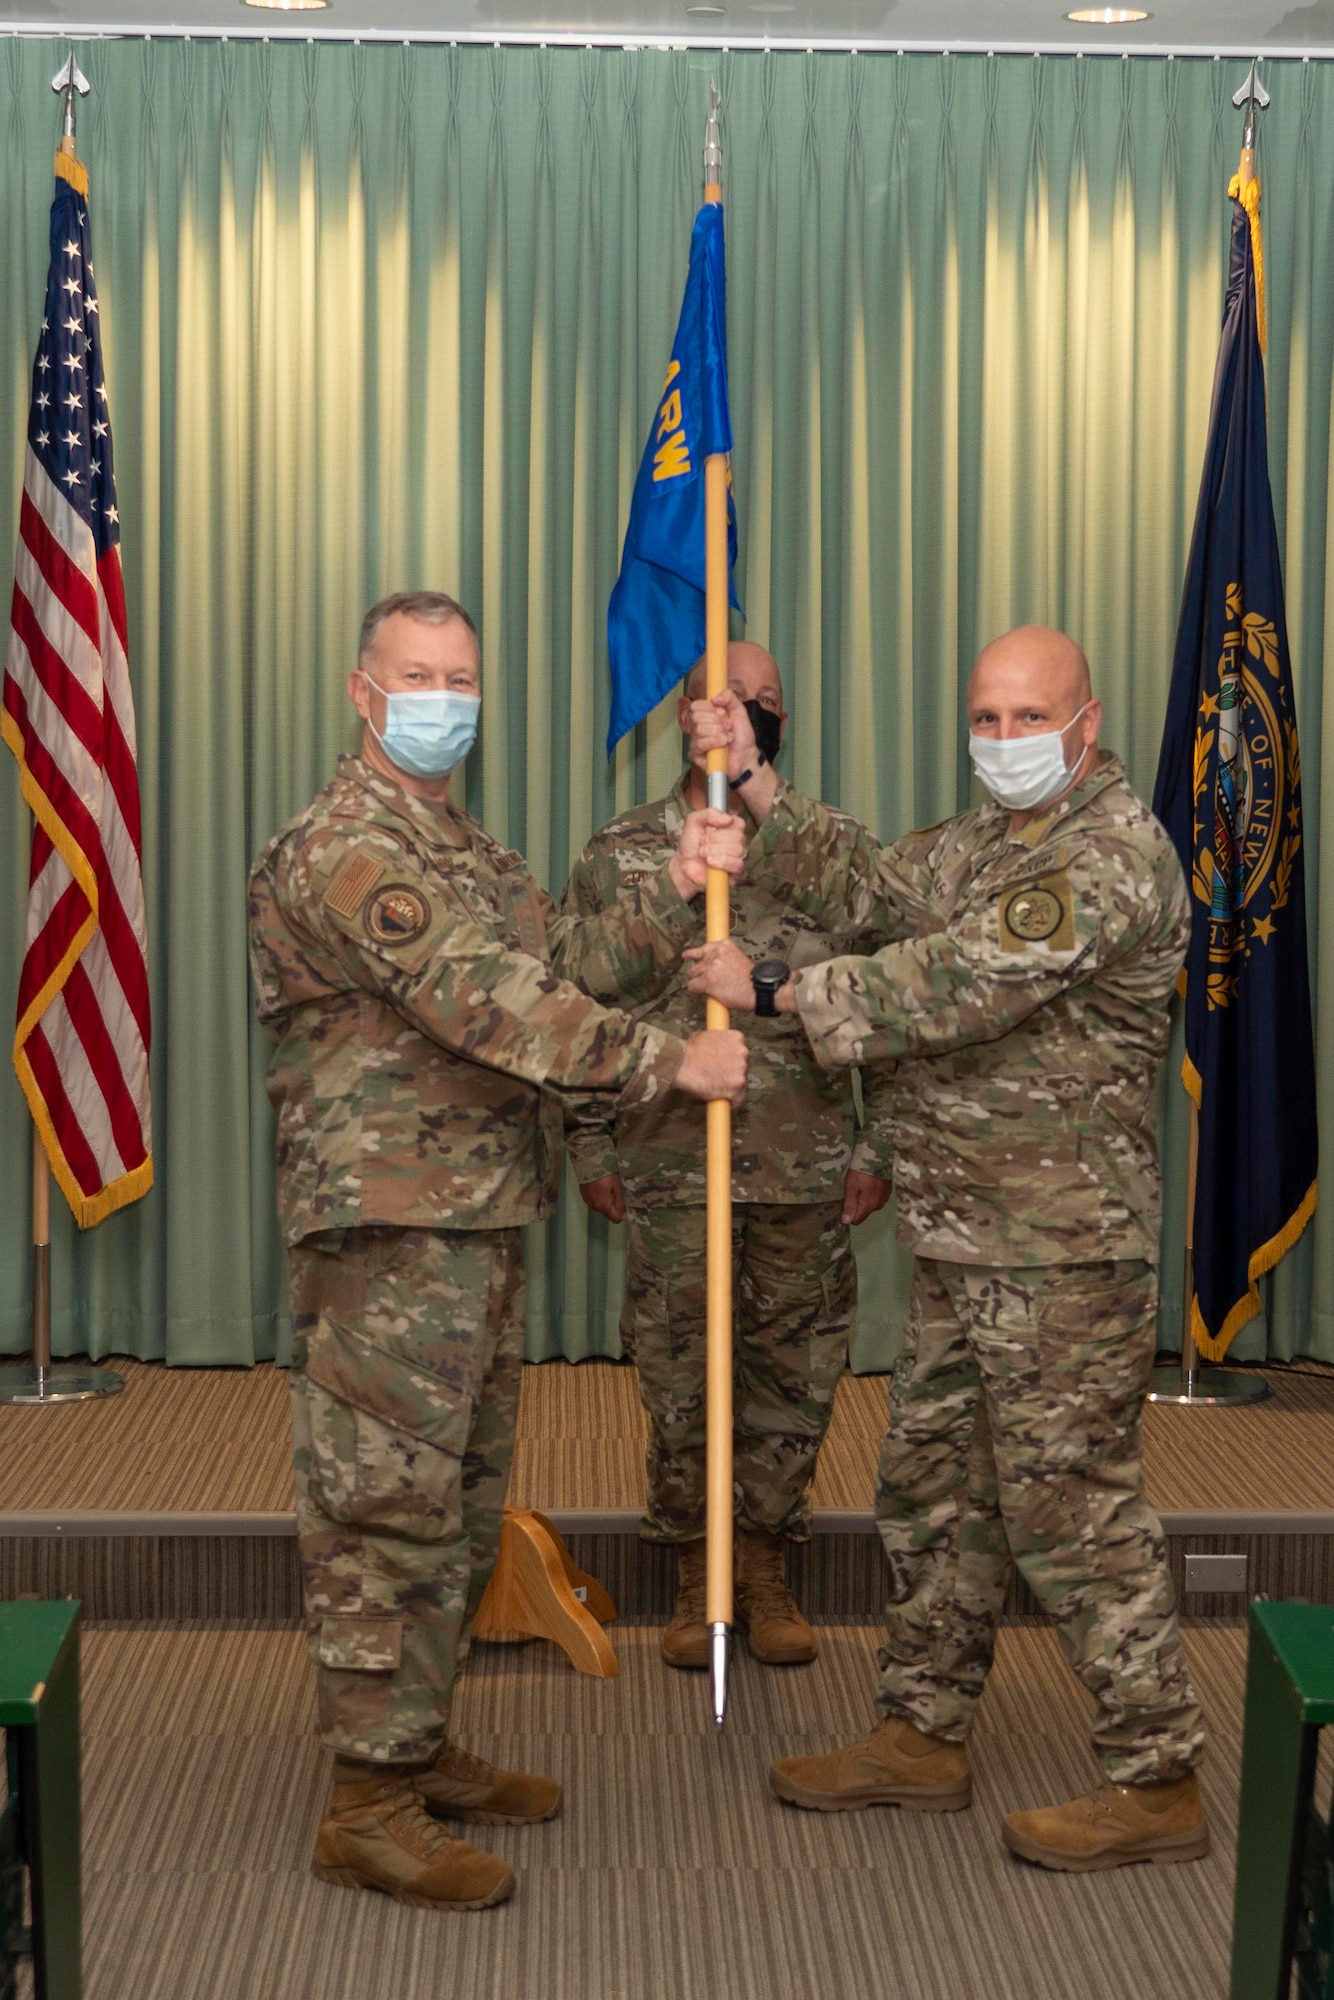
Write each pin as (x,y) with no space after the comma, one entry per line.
(718,1159)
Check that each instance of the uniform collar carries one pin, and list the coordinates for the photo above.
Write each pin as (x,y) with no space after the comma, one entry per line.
(677,805)
(1107,770)
(383,800)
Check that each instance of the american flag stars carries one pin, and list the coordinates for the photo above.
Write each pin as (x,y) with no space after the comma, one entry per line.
(68,374)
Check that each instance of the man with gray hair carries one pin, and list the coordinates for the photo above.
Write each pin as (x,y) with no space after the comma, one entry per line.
(430,1015)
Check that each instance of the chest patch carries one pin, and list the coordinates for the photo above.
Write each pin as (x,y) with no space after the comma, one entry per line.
(1042,913)
(398,914)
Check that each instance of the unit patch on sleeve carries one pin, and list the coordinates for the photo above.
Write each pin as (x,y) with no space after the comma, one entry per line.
(1042,913)
(398,914)
(353,883)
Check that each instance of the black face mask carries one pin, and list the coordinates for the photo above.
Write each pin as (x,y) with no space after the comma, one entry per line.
(768,729)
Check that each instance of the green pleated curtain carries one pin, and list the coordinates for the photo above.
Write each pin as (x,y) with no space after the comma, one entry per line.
(381,317)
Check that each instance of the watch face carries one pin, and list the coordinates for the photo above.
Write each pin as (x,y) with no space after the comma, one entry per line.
(770,972)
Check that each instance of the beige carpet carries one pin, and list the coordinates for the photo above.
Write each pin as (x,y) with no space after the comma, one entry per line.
(672,1874)
(215,1440)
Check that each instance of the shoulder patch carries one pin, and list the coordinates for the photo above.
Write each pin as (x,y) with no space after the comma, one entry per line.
(397,914)
(1040,913)
(353,883)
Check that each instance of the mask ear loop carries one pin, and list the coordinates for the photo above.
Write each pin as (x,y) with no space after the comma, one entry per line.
(1074,768)
(369,724)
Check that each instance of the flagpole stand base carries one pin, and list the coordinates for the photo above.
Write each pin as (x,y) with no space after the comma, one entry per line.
(1220,1387)
(719,1638)
(59,1384)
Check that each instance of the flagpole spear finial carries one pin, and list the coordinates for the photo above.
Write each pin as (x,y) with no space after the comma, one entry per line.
(69,78)
(1253,97)
(713,149)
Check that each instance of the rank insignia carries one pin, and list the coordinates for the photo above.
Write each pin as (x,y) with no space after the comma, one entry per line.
(397,914)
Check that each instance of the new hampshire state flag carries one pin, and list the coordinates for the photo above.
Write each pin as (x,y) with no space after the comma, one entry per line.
(655,620)
(1229,793)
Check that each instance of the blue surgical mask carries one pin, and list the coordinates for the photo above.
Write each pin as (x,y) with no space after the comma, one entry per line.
(1022,772)
(427,732)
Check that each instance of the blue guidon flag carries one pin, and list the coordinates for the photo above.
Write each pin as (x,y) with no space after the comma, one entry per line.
(1229,793)
(655,620)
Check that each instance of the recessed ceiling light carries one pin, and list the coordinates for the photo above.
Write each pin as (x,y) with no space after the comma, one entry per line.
(288,6)
(710,13)
(1109,17)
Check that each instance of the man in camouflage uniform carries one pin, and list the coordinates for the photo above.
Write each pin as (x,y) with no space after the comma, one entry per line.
(416,986)
(801,1175)
(1028,951)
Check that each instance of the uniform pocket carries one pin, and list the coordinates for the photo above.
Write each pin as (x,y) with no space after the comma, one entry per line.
(387,1438)
(361,1645)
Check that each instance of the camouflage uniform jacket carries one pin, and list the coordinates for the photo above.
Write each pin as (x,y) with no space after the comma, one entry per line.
(403,965)
(796,1135)
(1025,977)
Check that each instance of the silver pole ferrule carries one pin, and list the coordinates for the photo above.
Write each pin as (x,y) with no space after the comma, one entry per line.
(715,791)
(713,147)
(718,1648)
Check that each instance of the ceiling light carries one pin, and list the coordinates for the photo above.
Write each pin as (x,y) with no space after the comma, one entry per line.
(709,13)
(1109,17)
(287,6)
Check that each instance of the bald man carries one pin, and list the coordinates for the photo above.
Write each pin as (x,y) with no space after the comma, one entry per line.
(803,1175)
(1027,955)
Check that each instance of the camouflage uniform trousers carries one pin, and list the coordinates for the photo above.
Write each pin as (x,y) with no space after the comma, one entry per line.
(407,1346)
(795,1285)
(1014,1433)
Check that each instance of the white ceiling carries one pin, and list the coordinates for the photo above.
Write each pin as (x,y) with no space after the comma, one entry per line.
(1186,26)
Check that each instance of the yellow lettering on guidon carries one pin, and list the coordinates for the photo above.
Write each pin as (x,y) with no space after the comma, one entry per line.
(672,458)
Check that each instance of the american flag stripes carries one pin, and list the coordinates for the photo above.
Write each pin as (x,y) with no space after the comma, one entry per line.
(81,1043)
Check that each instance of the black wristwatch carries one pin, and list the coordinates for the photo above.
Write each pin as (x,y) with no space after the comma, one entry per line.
(766,978)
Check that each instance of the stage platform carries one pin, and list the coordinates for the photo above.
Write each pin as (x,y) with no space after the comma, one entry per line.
(174,1499)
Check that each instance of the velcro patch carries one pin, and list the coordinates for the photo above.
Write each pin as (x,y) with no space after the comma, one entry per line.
(398,914)
(1040,913)
(353,883)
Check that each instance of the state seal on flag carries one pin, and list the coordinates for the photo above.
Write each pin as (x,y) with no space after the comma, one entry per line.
(1246,832)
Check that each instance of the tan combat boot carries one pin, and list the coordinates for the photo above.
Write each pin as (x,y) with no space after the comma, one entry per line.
(1116,1824)
(374,1835)
(896,1765)
(685,1643)
(766,1610)
(460,1786)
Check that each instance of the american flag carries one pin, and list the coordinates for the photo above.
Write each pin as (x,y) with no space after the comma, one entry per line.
(81,1044)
